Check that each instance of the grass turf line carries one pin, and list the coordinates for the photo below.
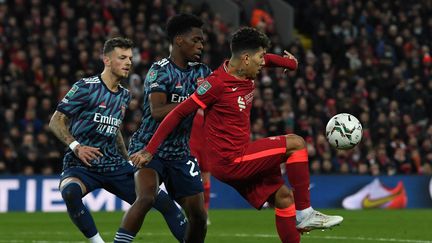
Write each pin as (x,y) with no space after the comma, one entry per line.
(404,226)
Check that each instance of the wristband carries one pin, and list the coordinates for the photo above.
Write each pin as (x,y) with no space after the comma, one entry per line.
(73,145)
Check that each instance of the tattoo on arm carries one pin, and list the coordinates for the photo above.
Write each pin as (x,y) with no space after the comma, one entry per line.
(121,145)
(59,125)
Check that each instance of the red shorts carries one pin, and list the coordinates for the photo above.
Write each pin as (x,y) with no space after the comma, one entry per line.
(256,175)
(197,141)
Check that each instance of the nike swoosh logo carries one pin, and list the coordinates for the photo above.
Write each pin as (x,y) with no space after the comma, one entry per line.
(367,202)
(234,89)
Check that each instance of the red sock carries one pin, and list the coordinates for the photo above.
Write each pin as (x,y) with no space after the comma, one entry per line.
(297,169)
(206,195)
(286,224)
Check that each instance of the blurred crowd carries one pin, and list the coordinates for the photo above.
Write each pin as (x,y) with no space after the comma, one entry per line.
(368,58)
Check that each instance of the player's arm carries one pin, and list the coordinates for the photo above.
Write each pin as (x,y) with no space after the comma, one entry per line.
(207,94)
(287,61)
(121,145)
(59,124)
(178,114)
(159,106)
(158,81)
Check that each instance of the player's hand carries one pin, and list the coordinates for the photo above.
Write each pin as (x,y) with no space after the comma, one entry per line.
(291,57)
(86,153)
(141,158)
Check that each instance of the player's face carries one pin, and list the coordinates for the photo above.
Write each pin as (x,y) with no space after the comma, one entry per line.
(120,62)
(192,44)
(255,62)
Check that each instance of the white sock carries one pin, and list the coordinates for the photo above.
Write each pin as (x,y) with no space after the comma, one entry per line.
(96,239)
(301,214)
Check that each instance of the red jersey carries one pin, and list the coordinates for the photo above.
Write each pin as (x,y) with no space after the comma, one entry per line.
(227,102)
(197,140)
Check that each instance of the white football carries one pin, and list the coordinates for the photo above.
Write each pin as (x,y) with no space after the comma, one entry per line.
(344,131)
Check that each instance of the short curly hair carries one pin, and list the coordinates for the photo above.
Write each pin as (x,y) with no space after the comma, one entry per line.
(181,24)
(248,38)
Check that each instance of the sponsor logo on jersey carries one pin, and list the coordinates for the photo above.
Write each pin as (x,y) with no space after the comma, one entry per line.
(241,103)
(102,105)
(152,75)
(108,125)
(110,120)
(203,88)
(200,80)
(72,91)
(179,85)
(176,98)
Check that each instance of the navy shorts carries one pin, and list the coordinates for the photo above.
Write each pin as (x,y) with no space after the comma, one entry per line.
(182,178)
(120,183)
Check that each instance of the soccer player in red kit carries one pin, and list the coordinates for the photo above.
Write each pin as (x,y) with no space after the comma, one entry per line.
(252,168)
(197,148)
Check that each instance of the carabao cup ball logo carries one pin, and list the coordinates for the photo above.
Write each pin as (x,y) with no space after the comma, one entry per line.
(344,131)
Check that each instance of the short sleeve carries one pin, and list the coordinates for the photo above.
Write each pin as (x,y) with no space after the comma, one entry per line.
(208,92)
(157,79)
(75,99)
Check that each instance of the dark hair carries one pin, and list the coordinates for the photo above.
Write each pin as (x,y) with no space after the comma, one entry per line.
(182,23)
(248,38)
(112,43)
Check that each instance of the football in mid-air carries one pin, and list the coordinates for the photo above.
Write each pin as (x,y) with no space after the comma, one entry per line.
(344,131)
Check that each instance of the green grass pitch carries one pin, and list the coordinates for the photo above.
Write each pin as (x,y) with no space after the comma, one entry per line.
(405,226)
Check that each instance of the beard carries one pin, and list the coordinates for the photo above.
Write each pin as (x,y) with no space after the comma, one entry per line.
(121,74)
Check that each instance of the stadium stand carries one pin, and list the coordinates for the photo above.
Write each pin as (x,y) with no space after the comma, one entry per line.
(368,58)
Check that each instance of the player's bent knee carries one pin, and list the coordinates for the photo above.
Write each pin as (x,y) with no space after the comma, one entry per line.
(294,143)
(71,192)
(68,180)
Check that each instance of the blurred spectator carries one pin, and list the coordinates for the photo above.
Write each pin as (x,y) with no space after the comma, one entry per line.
(262,18)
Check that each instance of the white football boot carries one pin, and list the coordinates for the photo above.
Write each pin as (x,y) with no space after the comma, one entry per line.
(317,220)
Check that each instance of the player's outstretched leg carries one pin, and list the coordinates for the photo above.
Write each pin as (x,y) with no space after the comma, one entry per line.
(80,216)
(206,184)
(285,215)
(297,168)
(174,217)
(317,220)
